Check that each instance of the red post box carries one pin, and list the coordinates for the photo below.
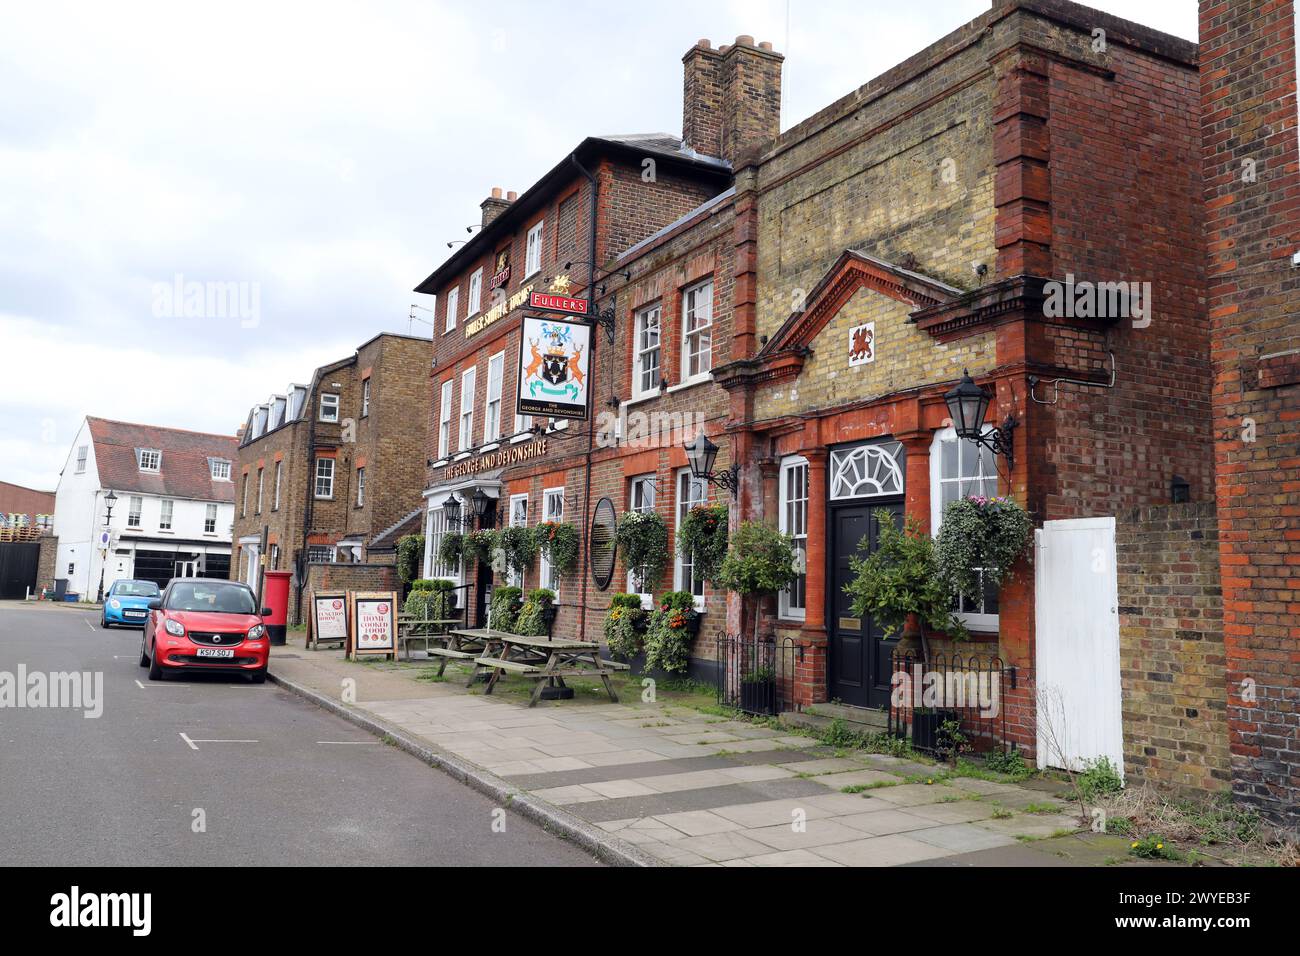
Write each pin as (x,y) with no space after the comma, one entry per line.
(275,596)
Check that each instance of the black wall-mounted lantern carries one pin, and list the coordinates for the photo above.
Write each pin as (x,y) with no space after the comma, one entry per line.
(968,403)
(702,453)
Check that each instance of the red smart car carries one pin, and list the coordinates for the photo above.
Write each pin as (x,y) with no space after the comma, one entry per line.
(205,624)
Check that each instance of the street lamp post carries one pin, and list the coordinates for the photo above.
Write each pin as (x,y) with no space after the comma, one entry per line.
(110,499)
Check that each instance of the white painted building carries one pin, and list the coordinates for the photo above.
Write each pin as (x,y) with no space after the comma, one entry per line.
(174,511)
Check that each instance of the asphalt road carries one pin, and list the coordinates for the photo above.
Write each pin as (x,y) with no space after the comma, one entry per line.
(278,780)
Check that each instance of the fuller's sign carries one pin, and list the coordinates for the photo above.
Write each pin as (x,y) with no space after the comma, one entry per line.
(557,303)
(553,360)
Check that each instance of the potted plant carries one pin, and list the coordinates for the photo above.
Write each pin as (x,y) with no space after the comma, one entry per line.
(410,556)
(477,546)
(450,549)
(537,614)
(900,582)
(760,561)
(520,547)
(625,626)
(702,537)
(758,691)
(979,541)
(642,536)
(558,542)
(670,632)
(431,599)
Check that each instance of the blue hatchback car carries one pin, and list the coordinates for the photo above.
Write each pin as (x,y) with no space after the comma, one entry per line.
(127,602)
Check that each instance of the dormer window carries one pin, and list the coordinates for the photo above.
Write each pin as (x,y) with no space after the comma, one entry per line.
(220,469)
(149,459)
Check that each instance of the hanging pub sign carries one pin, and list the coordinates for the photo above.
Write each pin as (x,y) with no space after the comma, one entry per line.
(557,303)
(328,621)
(501,274)
(553,357)
(373,615)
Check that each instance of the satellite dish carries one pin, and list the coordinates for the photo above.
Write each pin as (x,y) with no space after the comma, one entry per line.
(601,546)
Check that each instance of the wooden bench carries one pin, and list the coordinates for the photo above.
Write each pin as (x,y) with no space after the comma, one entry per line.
(615,665)
(514,667)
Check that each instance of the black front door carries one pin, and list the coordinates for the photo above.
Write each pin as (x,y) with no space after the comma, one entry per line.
(859,652)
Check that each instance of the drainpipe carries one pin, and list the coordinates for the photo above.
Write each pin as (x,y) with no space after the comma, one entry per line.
(307,508)
(591,391)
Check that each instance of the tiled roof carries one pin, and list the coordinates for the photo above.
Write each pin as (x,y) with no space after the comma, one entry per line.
(185,472)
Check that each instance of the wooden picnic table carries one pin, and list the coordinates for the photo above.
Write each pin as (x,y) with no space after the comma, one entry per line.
(466,644)
(412,628)
(548,662)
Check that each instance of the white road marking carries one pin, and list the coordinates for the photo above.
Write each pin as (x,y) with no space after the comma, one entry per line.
(88,624)
(341,742)
(193,743)
(168,684)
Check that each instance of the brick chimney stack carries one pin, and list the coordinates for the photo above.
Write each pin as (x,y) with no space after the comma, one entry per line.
(731,99)
(494,205)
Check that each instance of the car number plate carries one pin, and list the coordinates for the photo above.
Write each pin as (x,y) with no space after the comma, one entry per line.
(133,613)
(216,652)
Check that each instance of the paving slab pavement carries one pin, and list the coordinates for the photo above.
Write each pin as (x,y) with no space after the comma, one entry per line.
(693,789)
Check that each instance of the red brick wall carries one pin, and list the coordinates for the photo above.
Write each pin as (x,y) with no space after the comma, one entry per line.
(1248,90)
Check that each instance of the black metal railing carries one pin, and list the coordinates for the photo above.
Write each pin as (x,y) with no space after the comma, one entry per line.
(930,699)
(758,676)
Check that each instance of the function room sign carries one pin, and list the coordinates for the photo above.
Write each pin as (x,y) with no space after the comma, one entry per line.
(329,617)
(553,360)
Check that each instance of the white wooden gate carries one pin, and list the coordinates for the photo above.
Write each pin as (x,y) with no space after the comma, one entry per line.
(1077,641)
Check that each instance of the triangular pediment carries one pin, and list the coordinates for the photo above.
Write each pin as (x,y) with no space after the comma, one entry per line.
(852,272)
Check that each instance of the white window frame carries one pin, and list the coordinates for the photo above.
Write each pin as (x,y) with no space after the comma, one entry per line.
(533,250)
(453,306)
(325,476)
(166,514)
(642,354)
(210,519)
(444,419)
(329,407)
(261,484)
(793,520)
(275,495)
(83,452)
(492,408)
(435,529)
(365,397)
(552,511)
(243,503)
(517,520)
(647,487)
(697,307)
(149,460)
(690,492)
(465,427)
(976,484)
(475,301)
(219,469)
(134,511)
(361,486)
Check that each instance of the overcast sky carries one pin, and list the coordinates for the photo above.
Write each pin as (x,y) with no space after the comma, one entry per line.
(320,156)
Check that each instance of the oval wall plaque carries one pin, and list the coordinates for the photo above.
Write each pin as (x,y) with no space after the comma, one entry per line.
(601,545)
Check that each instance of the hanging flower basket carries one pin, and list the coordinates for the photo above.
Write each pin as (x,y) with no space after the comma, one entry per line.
(702,537)
(643,538)
(979,542)
(558,543)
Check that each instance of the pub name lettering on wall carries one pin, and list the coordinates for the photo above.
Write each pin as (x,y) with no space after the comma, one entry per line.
(498,311)
(496,459)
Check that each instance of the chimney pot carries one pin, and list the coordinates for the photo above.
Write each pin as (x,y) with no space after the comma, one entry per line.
(766,45)
(744,40)
(704,43)
(496,192)
(512,196)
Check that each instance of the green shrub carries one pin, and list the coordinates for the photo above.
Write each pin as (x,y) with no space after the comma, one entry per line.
(1011,763)
(901,578)
(760,560)
(625,626)
(532,619)
(431,599)
(505,606)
